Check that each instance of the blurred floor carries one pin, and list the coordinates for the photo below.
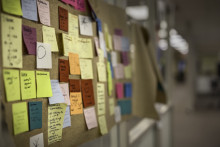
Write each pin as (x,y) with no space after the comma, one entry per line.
(194,128)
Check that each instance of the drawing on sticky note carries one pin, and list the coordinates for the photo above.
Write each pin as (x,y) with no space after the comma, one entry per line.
(41,52)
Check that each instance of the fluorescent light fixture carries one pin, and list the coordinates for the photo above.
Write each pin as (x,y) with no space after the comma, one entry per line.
(138,12)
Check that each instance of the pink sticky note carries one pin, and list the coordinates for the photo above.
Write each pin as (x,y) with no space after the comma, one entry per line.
(30,39)
(125,58)
(80,5)
(117,42)
(119,90)
(119,71)
(90,117)
(65,90)
(44,11)
(71,2)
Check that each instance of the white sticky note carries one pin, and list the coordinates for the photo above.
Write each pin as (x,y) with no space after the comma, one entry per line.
(85,23)
(57,93)
(90,117)
(67,119)
(37,140)
(114,59)
(65,90)
(44,59)
(29,9)
(117,114)
(102,43)
(44,11)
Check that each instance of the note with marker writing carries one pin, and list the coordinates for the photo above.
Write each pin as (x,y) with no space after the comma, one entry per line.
(76,103)
(49,36)
(37,140)
(73,25)
(63,19)
(44,57)
(101,98)
(20,117)
(29,9)
(65,90)
(64,70)
(12,7)
(28,86)
(67,119)
(119,90)
(103,125)
(56,115)
(35,115)
(12,81)
(85,25)
(111,106)
(57,93)
(67,44)
(44,11)
(101,71)
(86,68)
(87,93)
(43,84)
(74,64)
(90,117)
(11,41)
(30,39)
(83,48)
(74,85)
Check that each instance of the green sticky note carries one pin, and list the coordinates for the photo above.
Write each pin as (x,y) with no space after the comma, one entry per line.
(12,7)
(20,117)
(43,84)
(110,87)
(12,84)
(28,86)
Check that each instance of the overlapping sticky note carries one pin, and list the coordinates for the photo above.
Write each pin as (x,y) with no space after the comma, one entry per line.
(44,57)
(74,85)
(29,9)
(125,106)
(85,23)
(128,90)
(86,68)
(43,84)
(68,45)
(65,90)
(119,90)
(57,93)
(101,98)
(20,117)
(87,93)
(63,19)
(101,71)
(49,36)
(37,140)
(35,115)
(28,86)
(76,103)
(12,7)
(90,117)
(11,40)
(64,70)
(103,125)
(67,119)
(74,64)
(111,106)
(44,11)
(12,81)
(73,25)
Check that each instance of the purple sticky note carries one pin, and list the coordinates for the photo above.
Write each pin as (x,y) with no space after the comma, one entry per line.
(119,90)
(30,39)
(118,32)
(80,5)
(125,58)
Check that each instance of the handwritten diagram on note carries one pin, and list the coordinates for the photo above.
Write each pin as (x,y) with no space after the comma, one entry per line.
(67,119)
(44,57)
(101,71)
(86,68)
(56,115)
(12,81)
(90,117)
(29,9)
(35,115)
(12,7)
(103,125)
(57,93)
(111,106)
(65,90)
(76,103)
(87,93)
(85,24)
(49,36)
(63,19)
(37,140)
(74,64)
(119,90)
(67,44)
(101,98)
(11,41)
(73,25)
(64,70)
(74,85)
(44,11)
(28,86)
(20,117)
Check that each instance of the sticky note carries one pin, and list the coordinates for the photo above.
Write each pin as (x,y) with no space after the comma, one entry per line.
(87,93)
(29,9)
(74,64)
(12,7)
(37,140)
(111,106)
(76,103)
(11,41)
(28,84)
(119,90)
(117,42)
(106,32)
(43,84)
(86,68)
(119,71)
(103,125)
(63,19)
(125,58)
(44,57)
(67,119)
(57,93)
(35,115)
(118,32)
(85,25)
(125,44)
(110,42)
(49,36)
(64,70)
(67,44)
(84,48)
(90,117)
(102,43)
(101,71)
(74,85)
(125,106)
(101,98)
(65,90)
(73,25)
(56,115)
(96,41)
(109,74)
(44,11)
(30,39)
(101,55)
(20,117)
(114,57)
(127,71)
(117,114)
(12,81)
(80,5)
(128,90)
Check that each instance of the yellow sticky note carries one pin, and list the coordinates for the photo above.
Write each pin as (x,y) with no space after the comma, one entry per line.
(127,70)
(101,98)
(28,86)
(56,115)
(11,41)
(73,25)
(106,32)
(43,84)
(101,71)
(110,42)
(111,106)
(84,48)
(76,103)
(103,125)
(110,86)
(67,44)
(74,64)
(101,55)
(49,36)
(86,68)
(20,117)
(12,7)
(12,84)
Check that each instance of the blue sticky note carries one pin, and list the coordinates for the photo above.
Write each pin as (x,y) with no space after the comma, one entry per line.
(35,115)
(99,25)
(29,9)
(125,106)
(128,90)
(109,59)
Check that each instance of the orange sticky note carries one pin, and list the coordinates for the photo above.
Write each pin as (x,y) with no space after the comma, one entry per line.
(76,103)
(74,64)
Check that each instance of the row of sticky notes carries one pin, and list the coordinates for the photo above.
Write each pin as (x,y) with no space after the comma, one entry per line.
(123,90)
